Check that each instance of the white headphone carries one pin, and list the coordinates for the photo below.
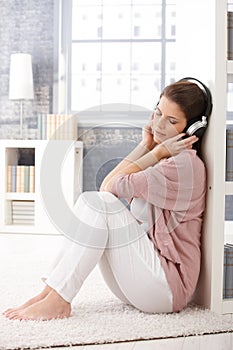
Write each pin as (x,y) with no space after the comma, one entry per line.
(198,125)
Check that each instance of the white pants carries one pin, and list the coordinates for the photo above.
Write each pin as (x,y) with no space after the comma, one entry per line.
(107,233)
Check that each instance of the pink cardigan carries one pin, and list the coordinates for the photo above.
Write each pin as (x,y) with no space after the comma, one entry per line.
(175,190)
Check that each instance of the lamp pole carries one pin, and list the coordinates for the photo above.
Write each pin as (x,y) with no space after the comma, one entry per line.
(21,120)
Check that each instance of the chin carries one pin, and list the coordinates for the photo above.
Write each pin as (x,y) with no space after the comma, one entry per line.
(156,140)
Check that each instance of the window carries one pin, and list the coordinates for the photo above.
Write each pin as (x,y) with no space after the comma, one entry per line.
(116,52)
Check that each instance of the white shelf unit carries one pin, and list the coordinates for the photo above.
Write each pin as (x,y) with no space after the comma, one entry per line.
(70,177)
(202,53)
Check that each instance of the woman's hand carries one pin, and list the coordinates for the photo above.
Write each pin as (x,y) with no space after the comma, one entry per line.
(175,145)
(148,137)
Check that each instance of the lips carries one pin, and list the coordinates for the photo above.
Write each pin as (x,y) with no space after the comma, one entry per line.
(158,133)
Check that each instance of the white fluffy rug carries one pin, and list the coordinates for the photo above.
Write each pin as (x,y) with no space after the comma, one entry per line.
(97,317)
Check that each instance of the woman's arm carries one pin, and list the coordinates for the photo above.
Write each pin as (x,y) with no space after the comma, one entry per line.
(144,147)
(140,160)
(129,165)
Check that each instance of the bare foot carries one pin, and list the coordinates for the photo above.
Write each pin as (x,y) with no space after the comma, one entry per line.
(53,306)
(31,301)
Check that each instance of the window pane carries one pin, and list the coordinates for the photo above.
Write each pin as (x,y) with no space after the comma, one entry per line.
(85,91)
(170,21)
(116,22)
(146,2)
(86,58)
(87,22)
(146,58)
(169,79)
(116,2)
(86,75)
(146,22)
(86,2)
(170,58)
(115,89)
(171,2)
(145,90)
(115,58)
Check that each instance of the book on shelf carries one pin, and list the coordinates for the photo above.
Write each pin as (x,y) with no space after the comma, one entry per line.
(224,272)
(20,222)
(26,179)
(31,179)
(21,178)
(230,35)
(26,205)
(22,212)
(57,127)
(229,152)
(228,271)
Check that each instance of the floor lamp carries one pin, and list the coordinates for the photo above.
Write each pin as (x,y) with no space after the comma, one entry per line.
(21,81)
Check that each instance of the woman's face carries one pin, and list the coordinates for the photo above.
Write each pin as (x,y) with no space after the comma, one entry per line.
(168,120)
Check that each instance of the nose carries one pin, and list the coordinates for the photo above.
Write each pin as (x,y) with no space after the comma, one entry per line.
(159,122)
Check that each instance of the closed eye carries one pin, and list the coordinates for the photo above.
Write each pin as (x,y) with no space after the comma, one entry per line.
(157,112)
(172,120)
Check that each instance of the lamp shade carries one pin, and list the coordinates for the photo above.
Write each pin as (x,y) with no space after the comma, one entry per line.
(21,79)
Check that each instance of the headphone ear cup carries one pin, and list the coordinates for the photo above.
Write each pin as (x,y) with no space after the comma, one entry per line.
(196,128)
(199,132)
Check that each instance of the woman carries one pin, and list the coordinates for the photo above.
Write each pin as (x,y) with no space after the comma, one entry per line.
(149,255)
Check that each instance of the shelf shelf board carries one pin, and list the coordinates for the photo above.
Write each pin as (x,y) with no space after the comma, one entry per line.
(18,228)
(228,232)
(36,143)
(227,306)
(230,71)
(230,67)
(20,196)
(27,229)
(229,187)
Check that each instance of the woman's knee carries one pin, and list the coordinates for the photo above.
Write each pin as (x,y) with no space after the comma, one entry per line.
(95,197)
(89,200)
(99,202)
